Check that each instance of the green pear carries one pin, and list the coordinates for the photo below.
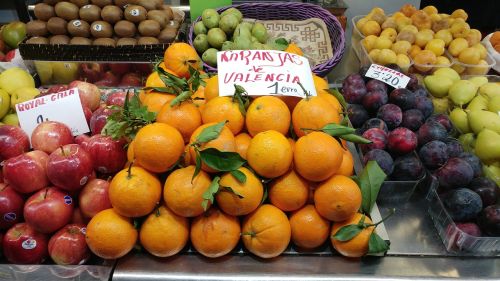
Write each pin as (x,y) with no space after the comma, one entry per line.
(487,146)
(11,119)
(459,119)
(441,105)
(233,11)
(468,141)
(462,92)
(22,95)
(438,86)
(259,31)
(210,18)
(478,103)
(4,103)
(490,90)
(482,119)
(15,78)
(448,72)
(492,172)
(479,80)
(494,104)
(242,43)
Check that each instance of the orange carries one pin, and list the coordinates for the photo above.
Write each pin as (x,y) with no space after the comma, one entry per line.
(225,142)
(288,192)
(357,246)
(134,192)
(332,100)
(179,56)
(154,101)
(267,113)
(221,109)
(199,98)
(251,190)
(157,147)
(214,233)
(321,86)
(130,152)
(187,157)
(317,156)
(292,144)
(290,101)
(163,233)
(313,113)
(338,198)
(347,166)
(294,49)
(185,117)
(212,88)
(319,83)
(154,79)
(309,229)
(242,142)
(495,38)
(269,154)
(183,194)
(266,232)
(110,235)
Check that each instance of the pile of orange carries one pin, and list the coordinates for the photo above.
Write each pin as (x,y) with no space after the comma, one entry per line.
(306,174)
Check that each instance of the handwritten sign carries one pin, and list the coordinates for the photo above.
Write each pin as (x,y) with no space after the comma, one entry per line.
(64,107)
(264,73)
(387,75)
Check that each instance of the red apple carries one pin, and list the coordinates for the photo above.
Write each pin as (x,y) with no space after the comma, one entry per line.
(108,80)
(131,79)
(27,172)
(69,167)
(1,176)
(68,246)
(10,55)
(90,95)
(117,98)
(22,244)
(78,217)
(13,141)
(143,68)
(2,56)
(94,198)
(11,206)
(99,119)
(108,155)
(48,210)
(119,68)
(55,89)
(50,135)
(92,72)
(88,114)
(82,140)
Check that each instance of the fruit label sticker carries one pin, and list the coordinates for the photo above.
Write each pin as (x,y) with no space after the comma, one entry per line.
(98,27)
(29,244)
(68,200)
(264,73)
(11,216)
(64,107)
(387,75)
(135,12)
(77,23)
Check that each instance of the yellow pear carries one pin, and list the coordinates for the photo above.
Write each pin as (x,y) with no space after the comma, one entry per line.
(22,95)
(15,78)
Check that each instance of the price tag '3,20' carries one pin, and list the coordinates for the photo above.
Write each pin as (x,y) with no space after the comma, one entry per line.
(387,75)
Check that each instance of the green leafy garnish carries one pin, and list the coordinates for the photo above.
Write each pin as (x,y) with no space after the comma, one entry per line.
(341,131)
(127,120)
(281,44)
(213,189)
(210,133)
(376,244)
(239,175)
(241,97)
(369,182)
(221,161)
(339,97)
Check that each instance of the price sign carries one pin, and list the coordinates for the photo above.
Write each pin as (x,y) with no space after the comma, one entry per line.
(387,75)
(264,73)
(64,107)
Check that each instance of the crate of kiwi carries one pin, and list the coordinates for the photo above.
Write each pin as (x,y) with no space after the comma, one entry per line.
(100,30)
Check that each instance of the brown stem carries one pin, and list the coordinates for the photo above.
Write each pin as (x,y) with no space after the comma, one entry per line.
(129,171)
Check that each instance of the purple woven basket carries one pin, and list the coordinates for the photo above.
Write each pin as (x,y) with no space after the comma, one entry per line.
(291,11)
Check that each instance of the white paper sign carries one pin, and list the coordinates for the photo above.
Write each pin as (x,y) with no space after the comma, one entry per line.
(264,73)
(64,107)
(387,75)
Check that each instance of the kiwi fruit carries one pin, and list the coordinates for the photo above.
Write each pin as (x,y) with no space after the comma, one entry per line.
(80,3)
(66,10)
(148,41)
(148,4)
(59,40)
(90,13)
(149,28)
(168,10)
(159,16)
(36,28)
(111,14)
(44,11)
(51,2)
(101,29)
(173,24)
(135,13)
(80,41)
(125,28)
(178,17)
(123,3)
(126,41)
(167,35)
(102,3)
(57,26)
(104,42)
(78,28)
(37,40)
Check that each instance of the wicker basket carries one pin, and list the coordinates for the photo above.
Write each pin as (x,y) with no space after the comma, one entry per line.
(291,11)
